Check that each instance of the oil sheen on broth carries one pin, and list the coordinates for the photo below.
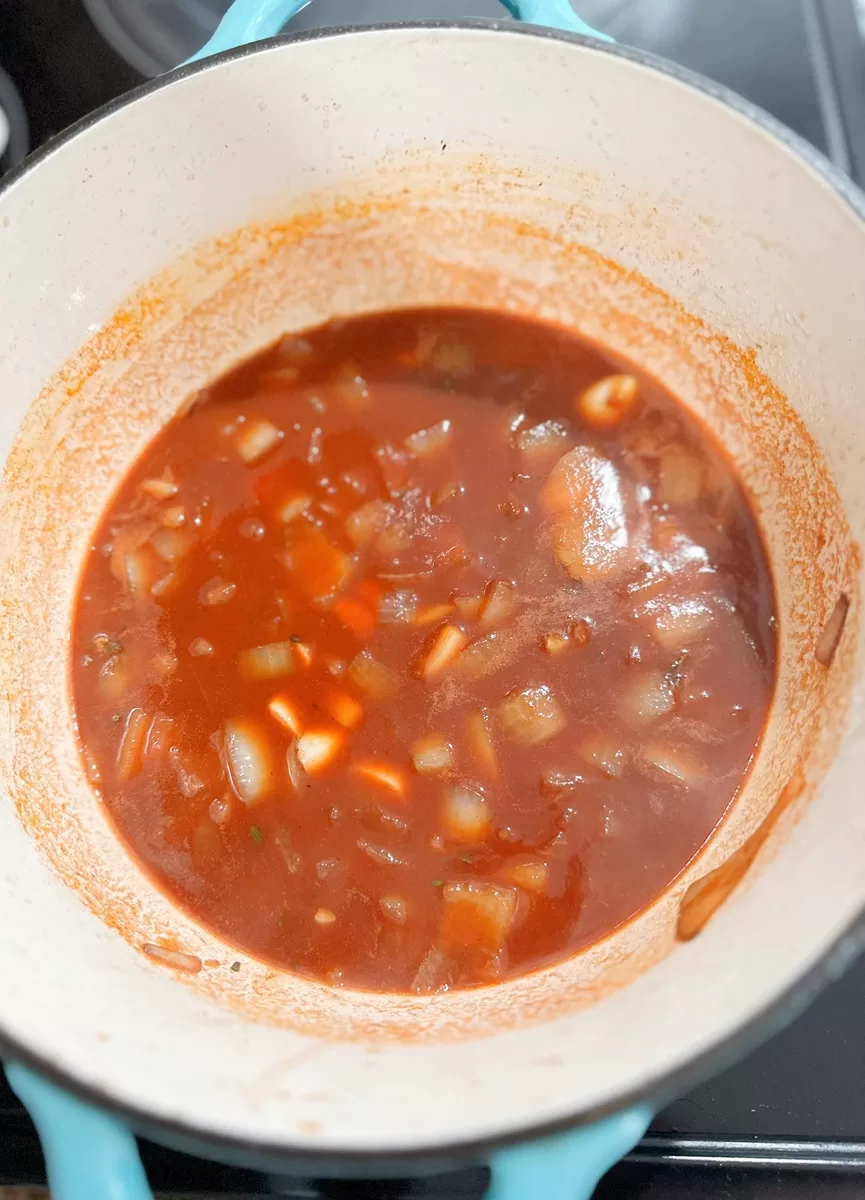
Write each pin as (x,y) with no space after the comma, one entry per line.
(427,648)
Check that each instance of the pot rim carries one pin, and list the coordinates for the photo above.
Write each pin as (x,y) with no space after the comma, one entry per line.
(662,1088)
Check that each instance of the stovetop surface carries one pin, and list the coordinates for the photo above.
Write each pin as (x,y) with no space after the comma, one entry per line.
(789,1121)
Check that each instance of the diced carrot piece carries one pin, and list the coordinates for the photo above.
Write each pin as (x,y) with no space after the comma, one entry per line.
(286,712)
(344,709)
(286,491)
(319,566)
(132,745)
(355,615)
(429,614)
(480,741)
(444,647)
(317,749)
(381,774)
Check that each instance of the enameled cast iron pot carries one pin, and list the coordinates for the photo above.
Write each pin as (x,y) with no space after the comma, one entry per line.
(267,189)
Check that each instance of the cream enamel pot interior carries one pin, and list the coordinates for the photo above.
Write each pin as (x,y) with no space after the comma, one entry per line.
(266,190)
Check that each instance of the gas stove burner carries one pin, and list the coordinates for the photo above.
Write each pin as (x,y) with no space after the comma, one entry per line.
(14,141)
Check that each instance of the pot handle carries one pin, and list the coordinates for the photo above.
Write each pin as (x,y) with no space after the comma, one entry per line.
(255,20)
(89,1154)
(569,1165)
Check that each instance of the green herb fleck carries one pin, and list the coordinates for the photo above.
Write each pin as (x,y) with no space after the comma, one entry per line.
(256,834)
(113,646)
(437,882)
(235,966)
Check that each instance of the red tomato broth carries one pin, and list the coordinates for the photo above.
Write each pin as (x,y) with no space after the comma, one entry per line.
(583,736)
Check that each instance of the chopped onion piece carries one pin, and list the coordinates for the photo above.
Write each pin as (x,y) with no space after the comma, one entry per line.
(317,749)
(433,974)
(139,571)
(477,917)
(542,444)
(174,517)
(303,654)
(159,489)
(531,716)
(201,648)
(486,655)
(554,643)
(256,439)
(164,663)
(604,752)
(381,774)
(580,632)
(132,744)
(380,854)
(171,545)
(433,440)
(466,814)
(397,607)
(467,606)
(530,874)
(219,810)
(499,599)
(190,783)
(432,754)
(344,709)
(453,358)
(286,712)
(430,614)
(480,741)
(115,677)
(178,959)
(367,522)
(163,586)
(681,623)
(324,916)
(249,759)
(583,495)
(608,401)
(447,491)
(394,908)
(680,476)
(394,539)
(673,763)
(158,736)
(270,661)
(444,648)
(216,591)
(648,699)
(372,677)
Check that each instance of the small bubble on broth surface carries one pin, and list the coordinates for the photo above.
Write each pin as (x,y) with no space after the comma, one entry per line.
(427,649)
